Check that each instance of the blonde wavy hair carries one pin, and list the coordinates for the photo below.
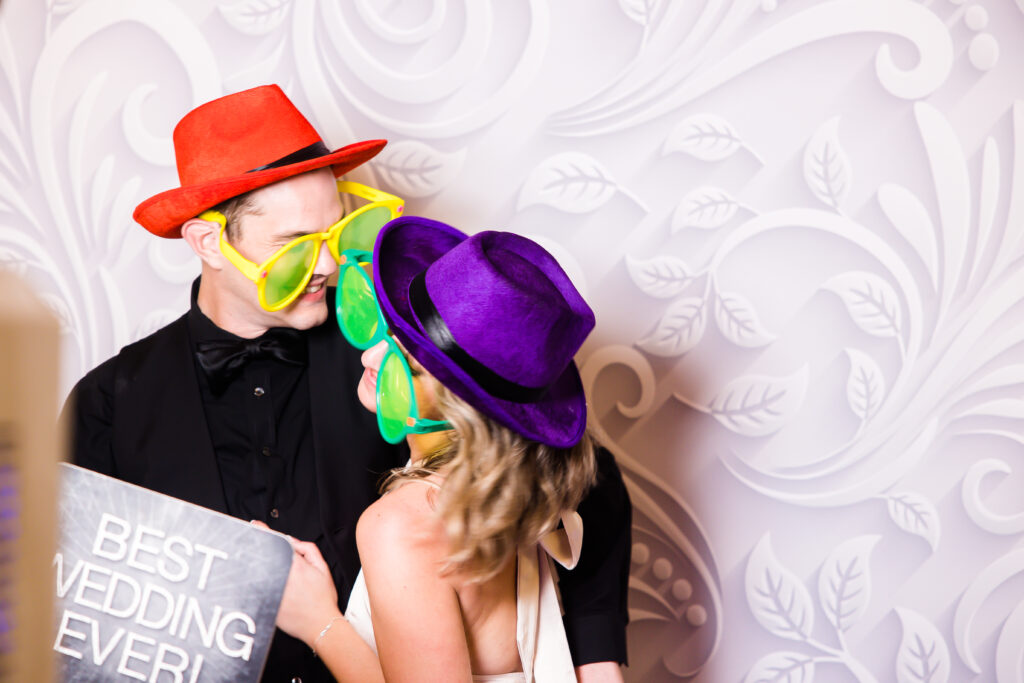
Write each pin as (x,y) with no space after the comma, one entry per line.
(501,489)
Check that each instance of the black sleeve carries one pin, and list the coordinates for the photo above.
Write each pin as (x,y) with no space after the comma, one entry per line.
(594,593)
(88,414)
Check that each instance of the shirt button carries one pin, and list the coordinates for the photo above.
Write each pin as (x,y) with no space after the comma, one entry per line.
(266,451)
(274,513)
(258,391)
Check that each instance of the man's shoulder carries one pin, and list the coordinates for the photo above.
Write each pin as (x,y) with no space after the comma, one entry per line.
(134,353)
(173,333)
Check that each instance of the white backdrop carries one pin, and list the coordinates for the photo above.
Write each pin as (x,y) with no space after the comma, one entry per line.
(800,224)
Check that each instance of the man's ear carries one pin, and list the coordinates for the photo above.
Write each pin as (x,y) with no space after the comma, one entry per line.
(203,237)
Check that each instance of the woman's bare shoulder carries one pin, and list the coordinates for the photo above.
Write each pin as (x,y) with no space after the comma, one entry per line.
(402,524)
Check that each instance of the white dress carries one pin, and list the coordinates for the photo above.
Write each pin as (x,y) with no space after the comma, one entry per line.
(543,649)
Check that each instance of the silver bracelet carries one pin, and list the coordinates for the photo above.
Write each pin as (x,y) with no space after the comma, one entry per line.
(322,634)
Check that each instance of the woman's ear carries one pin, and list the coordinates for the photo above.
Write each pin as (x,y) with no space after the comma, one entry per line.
(204,237)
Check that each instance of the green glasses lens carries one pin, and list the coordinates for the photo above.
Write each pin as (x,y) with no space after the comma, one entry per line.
(394,397)
(290,272)
(358,308)
(361,231)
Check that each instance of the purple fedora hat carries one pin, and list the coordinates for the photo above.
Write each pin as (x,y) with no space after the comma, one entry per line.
(493,317)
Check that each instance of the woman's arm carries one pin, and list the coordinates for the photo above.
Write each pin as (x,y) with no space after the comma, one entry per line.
(416,617)
(309,611)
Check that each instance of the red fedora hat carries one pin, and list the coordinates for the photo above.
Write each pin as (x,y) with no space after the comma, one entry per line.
(238,143)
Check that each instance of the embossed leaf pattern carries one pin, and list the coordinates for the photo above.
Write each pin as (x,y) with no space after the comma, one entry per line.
(12,261)
(987,205)
(64,6)
(844,582)
(120,209)
(871,301)
(865,385)
(8,114)
(675,579)
(826,168)
(415,169)
(639,11)
(707,137)
(782,667)
(777,597)
(923,656)
(100,190)
(60,310)
(738,321)
(662,277)
(706,208)
(1005,376)
(6,162)
(571,182)
(1009,664)
(975,506)
(983,585)
(255,17)
(952,193)
(11,198)
(758,405)
(1012,408)
(908,215)
(915,514)
(679,330)
(9,131)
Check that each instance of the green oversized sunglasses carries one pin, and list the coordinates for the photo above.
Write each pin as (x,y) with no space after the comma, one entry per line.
(362,322)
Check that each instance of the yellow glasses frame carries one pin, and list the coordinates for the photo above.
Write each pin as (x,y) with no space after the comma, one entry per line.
(258,272)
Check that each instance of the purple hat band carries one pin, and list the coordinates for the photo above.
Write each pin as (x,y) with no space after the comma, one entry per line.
(493,317)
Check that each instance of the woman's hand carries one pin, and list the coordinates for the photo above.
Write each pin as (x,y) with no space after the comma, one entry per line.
(310,599)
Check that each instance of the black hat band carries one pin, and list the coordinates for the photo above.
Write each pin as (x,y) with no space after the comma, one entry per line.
(438,332)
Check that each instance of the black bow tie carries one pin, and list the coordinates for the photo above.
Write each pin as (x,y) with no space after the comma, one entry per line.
(223,359)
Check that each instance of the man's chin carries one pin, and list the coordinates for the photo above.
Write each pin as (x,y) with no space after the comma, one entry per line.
(305,316)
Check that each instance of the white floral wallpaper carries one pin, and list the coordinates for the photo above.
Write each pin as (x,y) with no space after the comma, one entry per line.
(800,222)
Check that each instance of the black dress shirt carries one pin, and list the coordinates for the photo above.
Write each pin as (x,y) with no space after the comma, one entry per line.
(261,431)
(261,434)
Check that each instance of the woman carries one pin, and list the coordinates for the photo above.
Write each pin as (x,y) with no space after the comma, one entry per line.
(479,378)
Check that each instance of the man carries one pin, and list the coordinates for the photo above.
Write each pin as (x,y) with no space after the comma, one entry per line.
(246,404)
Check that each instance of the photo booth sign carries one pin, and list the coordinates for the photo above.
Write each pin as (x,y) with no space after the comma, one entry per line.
(152,588)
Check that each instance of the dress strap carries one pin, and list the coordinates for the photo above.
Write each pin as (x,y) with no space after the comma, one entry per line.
(540,634)
(564,545)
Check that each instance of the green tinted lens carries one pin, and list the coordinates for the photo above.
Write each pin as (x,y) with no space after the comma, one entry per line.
(394,397)
(358,314)
(361,232)
(290,272)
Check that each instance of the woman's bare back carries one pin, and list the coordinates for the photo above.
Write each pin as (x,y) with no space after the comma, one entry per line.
(487,609)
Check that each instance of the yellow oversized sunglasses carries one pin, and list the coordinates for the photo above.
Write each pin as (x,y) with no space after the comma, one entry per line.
(282,277)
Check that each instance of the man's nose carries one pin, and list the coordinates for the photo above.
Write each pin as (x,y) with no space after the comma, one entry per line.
(325,263)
